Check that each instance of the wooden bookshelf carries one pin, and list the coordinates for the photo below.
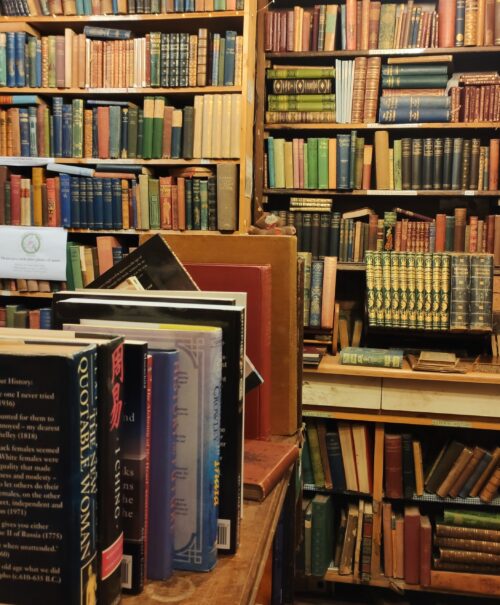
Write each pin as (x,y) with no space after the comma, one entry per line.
(236,579)
(132,19)
(375,126)
(384,192)
(198,90)
(47,295)
(381,52)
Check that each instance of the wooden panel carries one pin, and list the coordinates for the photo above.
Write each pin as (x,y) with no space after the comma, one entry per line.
(442,398)
(496,284)
(342,391)
(465,582)
(496,301)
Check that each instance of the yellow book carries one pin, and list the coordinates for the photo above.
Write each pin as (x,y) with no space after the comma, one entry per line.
(198,125)
(38,179)
(332,163)
(391,168)
(235,126)
(69,36)
(217,127)
(125,206)
(419,468)
(226,127)
(382,167)
(238,61)
(206,139)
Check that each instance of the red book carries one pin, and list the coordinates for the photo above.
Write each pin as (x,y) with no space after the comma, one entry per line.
(412,545)
(15,199)
(351,10)
(306,30)
(4,173)
(175,207)
(446,18)
(490,234)
(268,40)
(315,28)
(393,454)
(255,280)
(103,131)
(494,165)
(425,551)
(51,202)
(440,232)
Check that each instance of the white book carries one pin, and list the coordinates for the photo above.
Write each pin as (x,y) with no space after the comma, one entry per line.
(338,96)
(206,141)
(226,127)
(198,126)
(236,125)
(351,90)
(217,126)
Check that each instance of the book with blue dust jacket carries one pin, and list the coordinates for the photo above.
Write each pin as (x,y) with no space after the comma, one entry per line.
(48,446)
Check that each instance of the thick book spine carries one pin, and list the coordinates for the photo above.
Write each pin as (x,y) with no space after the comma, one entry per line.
(481,292)
(316,292)
(459,291)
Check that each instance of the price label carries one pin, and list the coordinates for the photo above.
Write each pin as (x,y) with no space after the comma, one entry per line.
(469,192)
(462,424)
(397,192)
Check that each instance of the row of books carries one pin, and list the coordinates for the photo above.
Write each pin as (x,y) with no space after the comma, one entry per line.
(476,98)
(35,8)
(194,199)
(376,25)
(210,128)
(338,457)
(15,316)
(456,471)
(429,291)
(347,162)
(156,59)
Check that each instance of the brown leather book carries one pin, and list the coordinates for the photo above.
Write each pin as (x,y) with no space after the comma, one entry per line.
(419,467)
(490,490)
(481,13)
(393,453)
(467,533)
(347,555)
(446,15)
(365,25)
(470,23)
(470,545)
(411,545)
(351,22)
(477,454)
(459,234)
(321,429)
(168,113)
(440,232)
(456,470)
(496,245)
(425,551)
(387,539)
(103,131)
(264,465)
(494,164)
(358,95)
(496,32)
(485,475)
(373,26)
(372,88)
(468,556)
(87,133)
(464,567)
(489,20)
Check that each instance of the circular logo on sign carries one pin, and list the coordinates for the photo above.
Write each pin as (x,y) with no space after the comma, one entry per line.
(31,243)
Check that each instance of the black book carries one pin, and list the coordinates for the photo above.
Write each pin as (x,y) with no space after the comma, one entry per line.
(306,232)
(231,319)
(315,223)
(447,162)
(324,232)
(118,168)
(333,249)
(416,164)
(474,163)
(427,176)
(466,160)
(406,145)
(442,466)
(408,466)
(456,166)
(297,223)
(437,178)
(187,132)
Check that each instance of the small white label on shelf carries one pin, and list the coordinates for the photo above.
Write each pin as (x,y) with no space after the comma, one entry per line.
(397,192)
(456,423)
(470,192)
(23,161)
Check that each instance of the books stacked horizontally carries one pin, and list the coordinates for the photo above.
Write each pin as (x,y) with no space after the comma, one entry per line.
(474,97)
(121,7)
(429,291)
(300,94)
(193,198)
(15,316)
(449,163)
(415,91)
(301,29)
(356,86)
(467,540)
(455,471)
(407,544)
(86,60)
(338,457)
(121,129)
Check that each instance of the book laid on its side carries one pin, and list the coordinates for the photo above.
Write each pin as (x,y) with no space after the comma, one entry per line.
(62,519)
(232,321)
(265,463)
(197,439)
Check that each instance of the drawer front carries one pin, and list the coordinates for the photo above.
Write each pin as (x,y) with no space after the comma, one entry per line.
(438,397)
(342,391)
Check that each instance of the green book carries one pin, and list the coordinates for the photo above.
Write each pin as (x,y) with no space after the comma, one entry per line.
(159,107)
(10,311)
(395,291)
(444,292)
(147,142)
(370,287)
(397,169)
(155,48)
(322,534)
(428,286)
(481,278)
(416,163)
(469,518)
(204,203)
(77,127)
(403,315)
(3,68)
(307,471)
(378,288)
(421,69)
(437,162)
(419,290)
(76,267)
(322,163)
(358,162)
(406,161)
(352,157)
(312,161)
(222,53)
(114,131)
(300,72)
(466,160)
(312,437)
(306,166)
(140,132)
(411,289)
(32,44)
(415,81)
(365,356)
(436,290)
(427,164)
(132,132)
(309,98)
(307,538)
(154,203)
(386,26)
(386,288)
(279,163)
(52,62)
(299,105)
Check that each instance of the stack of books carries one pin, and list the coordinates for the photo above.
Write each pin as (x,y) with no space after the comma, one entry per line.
(474,98)
(86,60)
(120,129)
(415,91)
(338,457)
(429,291)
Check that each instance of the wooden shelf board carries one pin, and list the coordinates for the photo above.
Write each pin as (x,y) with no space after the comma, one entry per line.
(141,231)
(441,581)
(105,19)
(235,577)
(382,52)
(140,162)
(26,294)
(384,192)
(376,126)
(351,267)
(450,420)
(115,91)
(331,365)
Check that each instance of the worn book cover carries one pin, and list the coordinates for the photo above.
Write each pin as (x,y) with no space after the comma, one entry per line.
(265,463)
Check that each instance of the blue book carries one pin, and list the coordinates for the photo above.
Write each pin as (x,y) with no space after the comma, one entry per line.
(83,204)
(79,7)
(11,59)
(414,103)
(406,115)
(67,130)
(73,468)
(176,142)
(116,193)
(27,65)
(75,202)
(57,121)
(343,160)
(90,202)
(188,195)
(335,458)
(229,58)
(65,195)
(38,64)
(179,6)
(46,318)
(98,204)
(215,59)
(24,130)
(316,290)
(162,493)
(460,23)
(107,204)
(270,162)
(204,204)
(20,44)
(32,131)
(107,33)
(95,152)
(476,473)
(87,6)
(352,158)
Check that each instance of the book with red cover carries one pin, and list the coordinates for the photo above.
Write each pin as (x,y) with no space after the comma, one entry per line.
(412,545)
(393,451)
(265,463)
(425,551)
(255,280)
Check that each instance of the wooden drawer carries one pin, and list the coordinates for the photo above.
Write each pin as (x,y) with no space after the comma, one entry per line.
(342,391)
(439,397)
